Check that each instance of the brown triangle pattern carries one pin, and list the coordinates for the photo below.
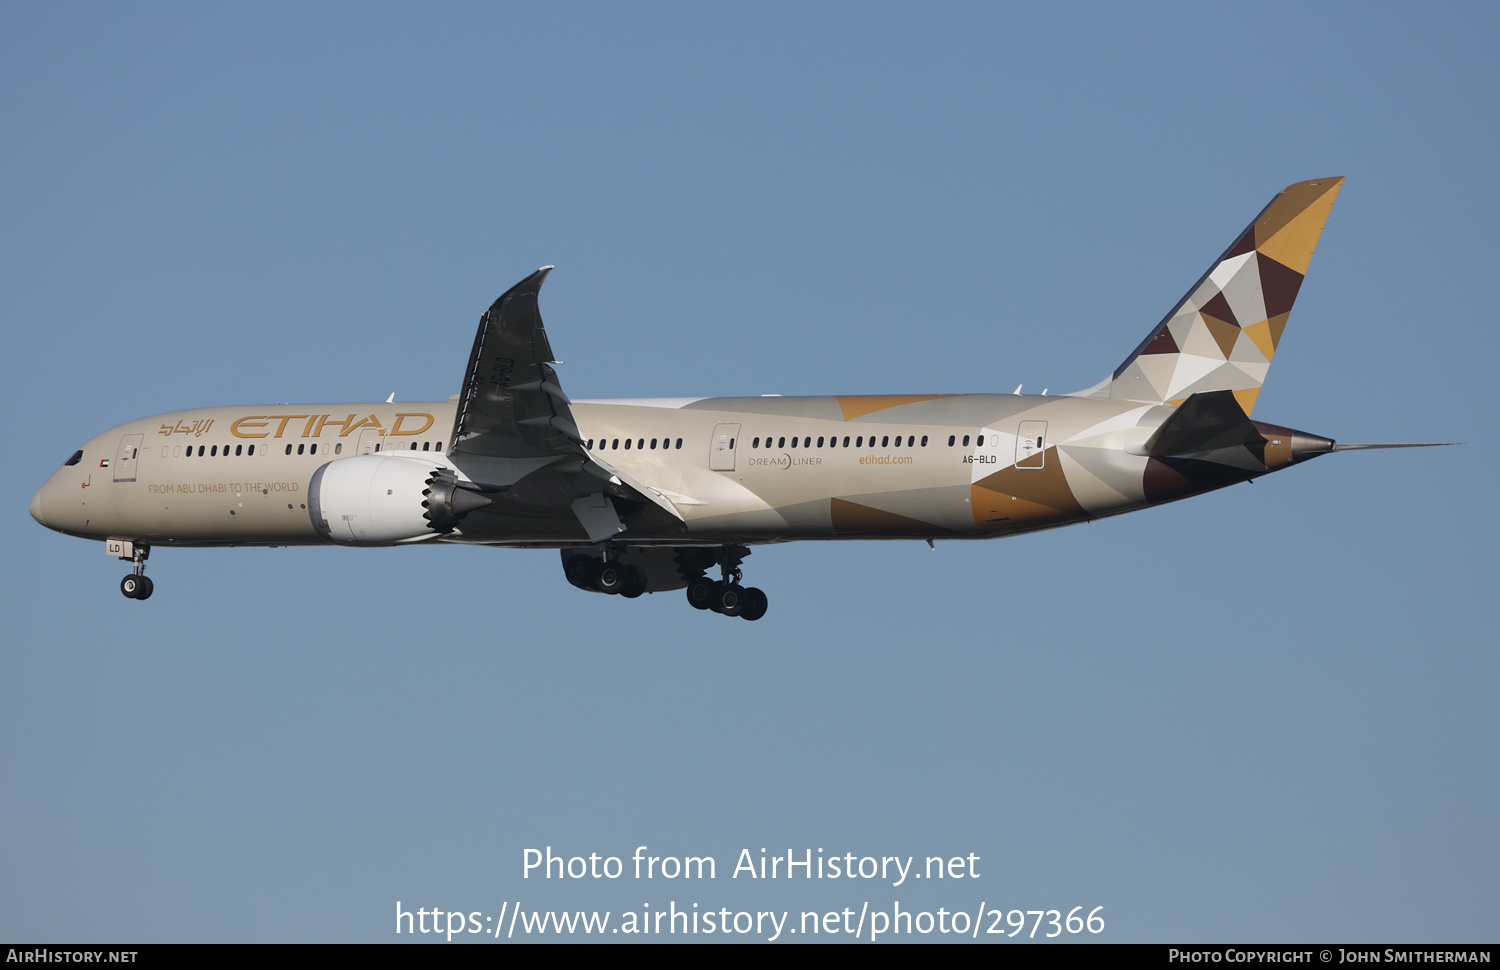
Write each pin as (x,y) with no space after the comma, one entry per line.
(1224,334)
(1278,285)
(851,518)
(1289,230)
(1242,245)
(1162,343)
(1046,486)
(1219,307)
(1277,325)
(855,405)
(998,511)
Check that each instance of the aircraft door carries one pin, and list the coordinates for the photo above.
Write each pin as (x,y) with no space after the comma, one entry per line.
(1031,445)
(369,440)
(721,449)
(127,457)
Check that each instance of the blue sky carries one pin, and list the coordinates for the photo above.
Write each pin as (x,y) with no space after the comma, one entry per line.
(1264,714)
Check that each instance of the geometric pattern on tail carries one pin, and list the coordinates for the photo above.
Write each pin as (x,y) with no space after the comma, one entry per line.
(1223,334)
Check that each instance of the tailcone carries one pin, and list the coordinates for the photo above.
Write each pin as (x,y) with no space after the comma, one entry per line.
(1288,446)
(1305,446)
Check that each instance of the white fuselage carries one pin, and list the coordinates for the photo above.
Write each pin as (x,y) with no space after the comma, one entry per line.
(735,469)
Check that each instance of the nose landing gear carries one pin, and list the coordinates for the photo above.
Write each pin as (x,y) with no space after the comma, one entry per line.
(137,585)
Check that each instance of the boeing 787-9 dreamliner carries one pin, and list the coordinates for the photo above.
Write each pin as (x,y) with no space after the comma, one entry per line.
(658,494)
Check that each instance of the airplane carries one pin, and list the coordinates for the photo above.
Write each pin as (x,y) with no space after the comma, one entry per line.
(652,495)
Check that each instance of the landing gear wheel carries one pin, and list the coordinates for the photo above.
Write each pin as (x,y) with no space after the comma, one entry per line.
(729,599)
(136,587)
(635,582)
(608,577)
(579,570)
(700,592)
(755,604)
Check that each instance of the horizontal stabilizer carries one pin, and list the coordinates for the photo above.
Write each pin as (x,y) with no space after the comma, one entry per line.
(1206,421)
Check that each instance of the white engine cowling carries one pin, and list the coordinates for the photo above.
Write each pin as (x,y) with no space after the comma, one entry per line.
(373,500)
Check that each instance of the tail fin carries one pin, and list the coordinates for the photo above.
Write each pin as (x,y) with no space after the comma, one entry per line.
(1223,334)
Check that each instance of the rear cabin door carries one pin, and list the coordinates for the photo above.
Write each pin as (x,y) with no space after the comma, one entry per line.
(1031,445)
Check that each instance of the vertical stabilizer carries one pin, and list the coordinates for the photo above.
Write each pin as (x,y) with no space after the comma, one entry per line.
(1223,334)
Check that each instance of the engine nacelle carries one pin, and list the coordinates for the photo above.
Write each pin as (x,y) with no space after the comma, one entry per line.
(383,499)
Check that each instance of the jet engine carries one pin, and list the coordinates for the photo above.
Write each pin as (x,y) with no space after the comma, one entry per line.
(381,499)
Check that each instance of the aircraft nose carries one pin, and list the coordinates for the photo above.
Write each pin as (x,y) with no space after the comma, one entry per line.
(36,507)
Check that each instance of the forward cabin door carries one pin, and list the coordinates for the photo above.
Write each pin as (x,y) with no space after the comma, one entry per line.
(721,449)
(127,457)
(369,440)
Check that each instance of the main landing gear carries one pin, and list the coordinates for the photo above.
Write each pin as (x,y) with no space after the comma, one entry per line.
(137,585)
(605,576)
(727,596)
(631,571)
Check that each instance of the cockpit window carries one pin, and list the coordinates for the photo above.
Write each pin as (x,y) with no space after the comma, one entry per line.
(77,457)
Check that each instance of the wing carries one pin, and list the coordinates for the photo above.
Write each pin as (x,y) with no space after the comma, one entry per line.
(514,430)
(511,405)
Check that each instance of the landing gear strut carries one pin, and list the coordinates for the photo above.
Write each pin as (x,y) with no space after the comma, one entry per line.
(137,585)
(727,595)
